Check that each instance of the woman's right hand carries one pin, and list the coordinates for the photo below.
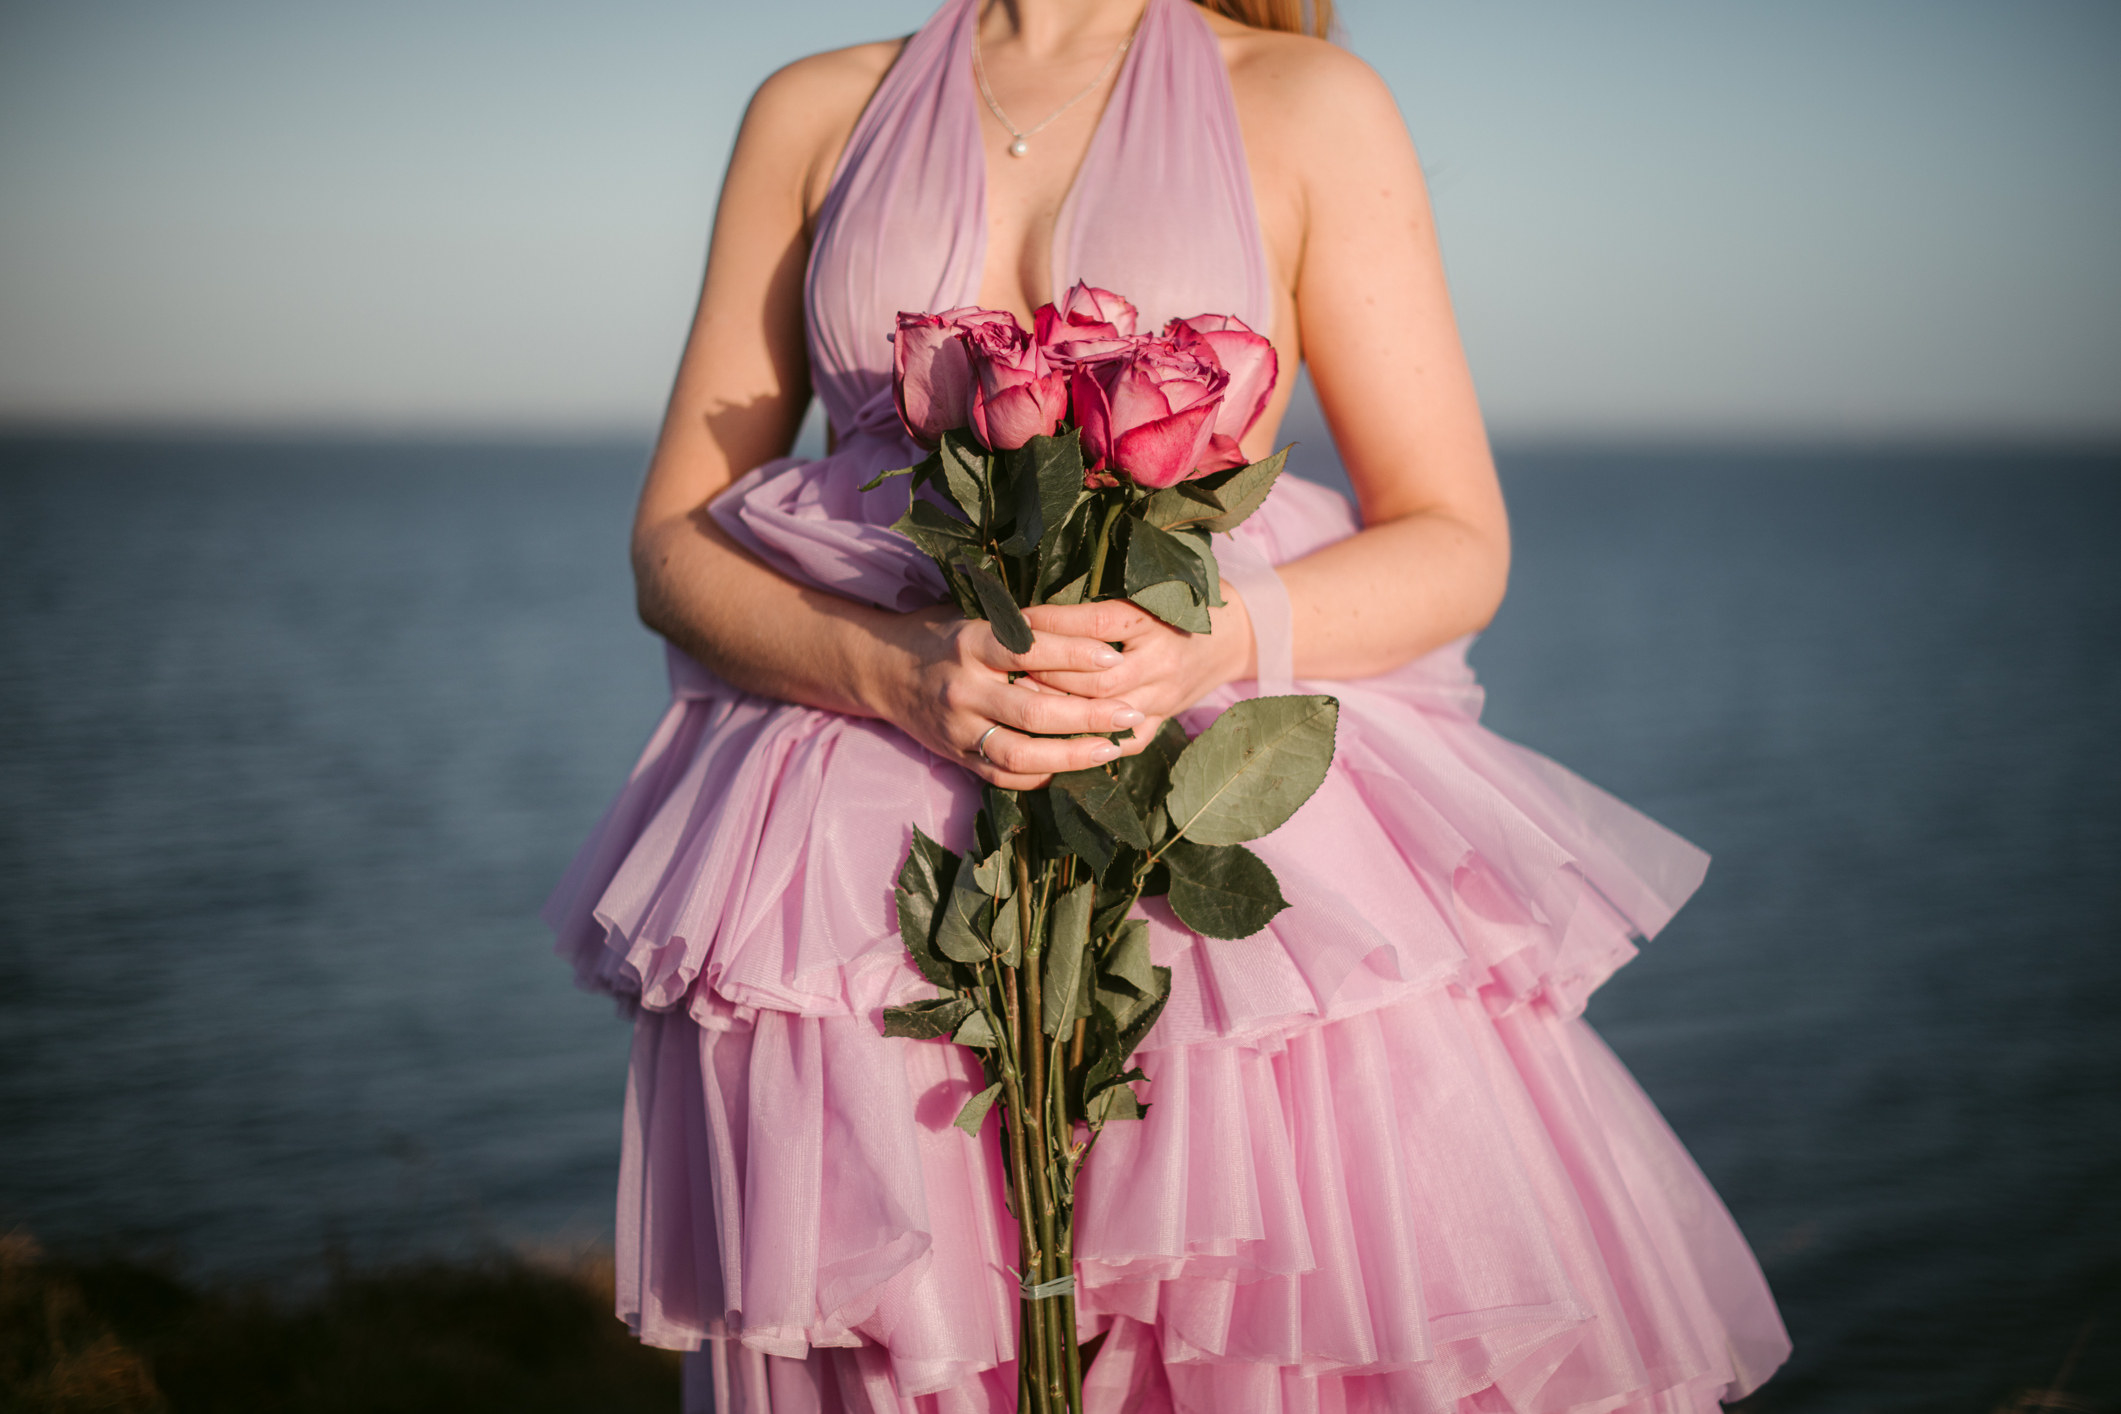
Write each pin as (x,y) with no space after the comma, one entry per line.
(950,684)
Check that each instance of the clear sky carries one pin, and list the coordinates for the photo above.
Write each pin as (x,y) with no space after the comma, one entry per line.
(1804,218)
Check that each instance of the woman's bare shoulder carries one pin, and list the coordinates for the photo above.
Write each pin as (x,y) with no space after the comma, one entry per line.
(1306,92)
(804,112)
(834,79)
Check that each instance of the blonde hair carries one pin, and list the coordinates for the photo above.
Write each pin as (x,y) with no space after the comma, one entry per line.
(1295,16)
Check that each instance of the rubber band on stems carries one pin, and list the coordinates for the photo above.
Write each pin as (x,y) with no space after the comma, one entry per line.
(1045,1290)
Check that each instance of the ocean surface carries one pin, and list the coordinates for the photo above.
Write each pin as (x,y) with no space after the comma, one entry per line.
(295,737)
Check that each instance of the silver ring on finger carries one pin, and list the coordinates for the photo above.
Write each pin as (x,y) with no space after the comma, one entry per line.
(981,745)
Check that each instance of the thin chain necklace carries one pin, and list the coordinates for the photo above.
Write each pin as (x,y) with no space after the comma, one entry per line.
(1022,143)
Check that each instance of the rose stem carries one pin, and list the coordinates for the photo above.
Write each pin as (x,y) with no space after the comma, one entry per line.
(1037,1112)
(1031,1350)
(1095,583)
(1024,1400)
(1058,1228)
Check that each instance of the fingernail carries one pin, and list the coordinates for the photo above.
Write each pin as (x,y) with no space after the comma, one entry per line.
(1104,750)
(1127,717)
(1105,657)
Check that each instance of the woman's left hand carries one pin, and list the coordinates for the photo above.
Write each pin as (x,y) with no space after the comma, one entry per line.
(1162,670)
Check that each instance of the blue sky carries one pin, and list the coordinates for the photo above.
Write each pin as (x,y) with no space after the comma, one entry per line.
(1866,219)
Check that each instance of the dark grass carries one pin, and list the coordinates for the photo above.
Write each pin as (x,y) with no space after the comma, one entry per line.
(502,1332)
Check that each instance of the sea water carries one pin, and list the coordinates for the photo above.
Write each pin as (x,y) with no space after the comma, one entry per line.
(295,737)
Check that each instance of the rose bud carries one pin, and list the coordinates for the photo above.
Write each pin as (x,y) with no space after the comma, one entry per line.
(1149,413)
(1251,363)
(1087,312)
(1015,395)
(931,370)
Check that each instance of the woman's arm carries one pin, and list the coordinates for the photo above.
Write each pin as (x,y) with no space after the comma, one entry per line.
(1349,230)
(740,394)
(1375,316)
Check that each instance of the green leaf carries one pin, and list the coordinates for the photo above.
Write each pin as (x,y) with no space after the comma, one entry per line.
(965,474)
(1147,772)
(1187,503)
(1106,801)
(942,536)
(1008,935)
(1063,553)
(1156,557)
(1139,1021)
(1003,485)
(976,1031)
(994,875)
(1003,811)
(924,880)
(1176,605)
(1060,486)
(960,591)
(1016,507)
(1047,476)
(1070,938)
(1119,1022)
(1116,1101)
(928,1020)
(1246,774)
(974,1114)
(928,471)
(1211,573)
(1116,1010)
(1077,830)
(1222,891)
(1115,894)
(1108,1064)
(1001,610)
(968,920)
(1072,592)
(1127,958)
(1241,490)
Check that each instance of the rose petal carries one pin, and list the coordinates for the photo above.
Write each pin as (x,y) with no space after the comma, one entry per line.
(1222,454)
(1249,359)
(1007,419)
(1073,351)
(932,377)
(1137,396)
(1093,414)
(1167,451)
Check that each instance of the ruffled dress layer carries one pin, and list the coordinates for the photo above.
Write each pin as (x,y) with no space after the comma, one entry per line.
(1385,1165)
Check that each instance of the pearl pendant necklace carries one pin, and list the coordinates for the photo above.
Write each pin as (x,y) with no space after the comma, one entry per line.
(1021,143)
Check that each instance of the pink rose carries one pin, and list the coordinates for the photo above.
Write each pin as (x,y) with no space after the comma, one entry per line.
(1253,368)
(931,369)
(1148,412)
(1085,312)
(1016,394)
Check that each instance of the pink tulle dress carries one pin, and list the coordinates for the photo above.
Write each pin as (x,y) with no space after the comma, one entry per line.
(1385,1164)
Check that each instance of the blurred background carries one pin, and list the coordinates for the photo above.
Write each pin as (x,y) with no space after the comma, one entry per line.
(331,341)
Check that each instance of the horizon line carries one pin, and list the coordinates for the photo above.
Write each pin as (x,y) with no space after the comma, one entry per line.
(1676,439)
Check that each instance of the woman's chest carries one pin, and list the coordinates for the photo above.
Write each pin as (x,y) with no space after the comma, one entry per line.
(949,196)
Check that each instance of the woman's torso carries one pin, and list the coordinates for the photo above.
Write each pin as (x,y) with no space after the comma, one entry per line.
(1148,187)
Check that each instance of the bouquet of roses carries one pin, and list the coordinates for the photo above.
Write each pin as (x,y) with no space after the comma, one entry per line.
(1074,462)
